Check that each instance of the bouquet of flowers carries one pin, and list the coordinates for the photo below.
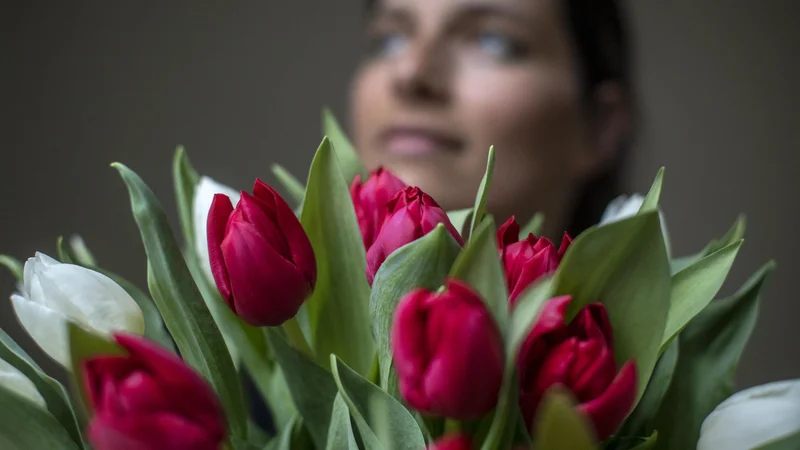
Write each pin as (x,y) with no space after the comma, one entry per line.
(370,318)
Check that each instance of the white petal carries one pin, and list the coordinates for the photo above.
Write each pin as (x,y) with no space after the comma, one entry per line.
(753,417)
(46,326)
(15,381)
(95,301)
(622,207)
(201,204)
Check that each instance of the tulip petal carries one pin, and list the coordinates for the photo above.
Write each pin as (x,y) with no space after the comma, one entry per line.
(159,431)
(267,289)
(95,301)
(409,347)
(254,211)
(46,326)
(221,209)
(609,410)
(201,205)
(187,392)
(508,233)
(302,254)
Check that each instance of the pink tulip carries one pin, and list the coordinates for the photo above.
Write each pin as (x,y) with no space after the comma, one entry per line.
(150,400)
(452,442)
(527,260)
(370,199)
(580,357)
(261,258)
(448,352)
(411,214)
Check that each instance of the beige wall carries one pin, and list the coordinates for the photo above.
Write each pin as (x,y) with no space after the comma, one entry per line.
(241,86)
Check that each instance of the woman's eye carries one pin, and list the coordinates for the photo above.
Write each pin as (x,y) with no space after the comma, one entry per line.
(500,45)
(388,44)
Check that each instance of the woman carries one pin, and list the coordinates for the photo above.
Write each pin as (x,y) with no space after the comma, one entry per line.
(544,81)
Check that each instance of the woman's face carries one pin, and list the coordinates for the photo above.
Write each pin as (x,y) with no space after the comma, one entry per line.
(447,79)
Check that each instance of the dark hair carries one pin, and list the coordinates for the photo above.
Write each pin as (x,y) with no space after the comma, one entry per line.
(601,46)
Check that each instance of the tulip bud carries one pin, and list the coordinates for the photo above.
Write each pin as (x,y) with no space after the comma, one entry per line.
(53,293)
(201,204)
(150,399)
(527,260)
(579,356)
(370,199)
(261,258)
(452,442)
(448,352)
(411,214)
(15,381)
(753,417)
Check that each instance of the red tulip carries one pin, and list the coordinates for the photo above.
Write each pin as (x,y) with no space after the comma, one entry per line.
(579,356)
(370,199)
(452,442)
(261,258)
(448,352)
(150,400)
(528,259)
(411,214)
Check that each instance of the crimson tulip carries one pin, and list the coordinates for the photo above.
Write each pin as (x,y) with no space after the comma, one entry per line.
(580,357)
(448,352)
(150,400)
(451,442)
(411,214)
(370,199)
(527,260)
(261,258)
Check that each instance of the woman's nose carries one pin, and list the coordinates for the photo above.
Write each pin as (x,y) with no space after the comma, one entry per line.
(421,74)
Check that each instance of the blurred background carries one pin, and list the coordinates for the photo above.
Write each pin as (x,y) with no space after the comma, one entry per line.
(241,85)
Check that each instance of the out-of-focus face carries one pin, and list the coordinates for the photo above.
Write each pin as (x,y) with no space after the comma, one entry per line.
(446,79)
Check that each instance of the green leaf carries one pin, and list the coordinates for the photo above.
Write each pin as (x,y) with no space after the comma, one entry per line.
(80,252)
(790,442)
(312,387)
(54,394)
(534,226)
(650,202)
(560,426)
(348,159)
(710,348)
(84,345)
(25,426)
(338,310)
(649,443)
(460,218)
(694,287)
(340,433)
(13,265)
(524,316)
(480,267)
(294,188)
(483,194)
(423,263)
(364,400)
(181,305)
(63,253)
(640,422)
(734,234)
(185,180)
(623,265)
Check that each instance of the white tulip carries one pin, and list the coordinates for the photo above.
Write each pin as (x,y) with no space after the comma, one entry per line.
(53,293)
(201,204)
(753,417)
(13,380)
(622,207)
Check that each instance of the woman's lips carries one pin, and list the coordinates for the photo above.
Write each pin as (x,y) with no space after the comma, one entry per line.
(418,141)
